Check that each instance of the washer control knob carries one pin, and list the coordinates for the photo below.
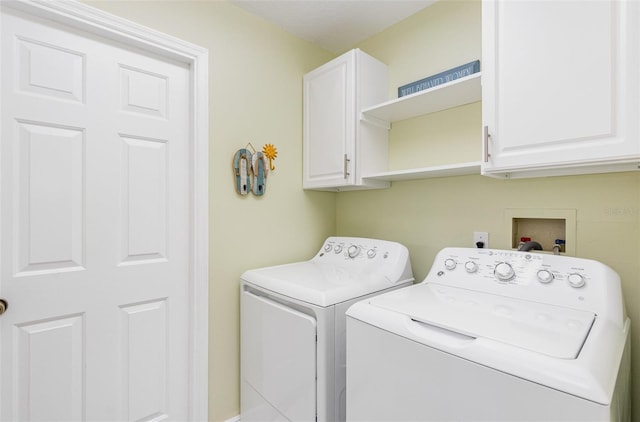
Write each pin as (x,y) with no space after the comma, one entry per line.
(504,271)
(353,251)
(327,247)
(471,266)
(545,276)
(575,280)
(450,264)
(337,248)
(371,253)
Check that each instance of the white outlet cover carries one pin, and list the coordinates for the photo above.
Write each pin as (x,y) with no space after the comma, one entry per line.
(481,237)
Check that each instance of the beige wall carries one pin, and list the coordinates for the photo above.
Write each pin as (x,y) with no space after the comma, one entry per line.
(255,96)
(427,215)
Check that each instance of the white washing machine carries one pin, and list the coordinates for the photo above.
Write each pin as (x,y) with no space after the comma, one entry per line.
(293,327)
(493,335)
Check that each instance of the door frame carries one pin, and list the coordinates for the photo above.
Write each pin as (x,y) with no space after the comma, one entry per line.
(87,18)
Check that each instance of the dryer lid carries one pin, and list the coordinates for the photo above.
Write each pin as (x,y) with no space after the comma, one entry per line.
(552,330)
(322,284)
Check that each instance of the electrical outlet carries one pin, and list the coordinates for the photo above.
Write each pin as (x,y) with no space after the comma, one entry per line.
(481,237)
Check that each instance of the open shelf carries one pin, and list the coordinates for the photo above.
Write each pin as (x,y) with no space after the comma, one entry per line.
(456,93)
(458,169)
(442,97)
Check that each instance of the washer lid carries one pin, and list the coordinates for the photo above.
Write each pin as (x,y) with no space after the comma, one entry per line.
(321,284)
(552,330)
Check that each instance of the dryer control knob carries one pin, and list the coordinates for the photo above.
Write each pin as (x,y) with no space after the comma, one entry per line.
(371,253)
(450,264)
(545,276)
(337,248)
(327,247)
(575,280)
(471,266)
(504,271)
(353,251)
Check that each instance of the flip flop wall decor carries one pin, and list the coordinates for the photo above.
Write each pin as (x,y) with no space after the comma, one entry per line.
(250,169)
(260,170)
(242,171)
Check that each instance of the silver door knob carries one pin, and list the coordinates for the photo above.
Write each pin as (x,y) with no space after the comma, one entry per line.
(3,306)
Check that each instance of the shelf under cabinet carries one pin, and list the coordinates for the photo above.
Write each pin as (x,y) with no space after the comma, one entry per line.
(460,169)
(452,94)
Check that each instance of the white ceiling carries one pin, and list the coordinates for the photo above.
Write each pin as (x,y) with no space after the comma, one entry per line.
(336,25)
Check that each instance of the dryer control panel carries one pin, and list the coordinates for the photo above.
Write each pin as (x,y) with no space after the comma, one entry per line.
(554,279)
(359,248)
(389,259)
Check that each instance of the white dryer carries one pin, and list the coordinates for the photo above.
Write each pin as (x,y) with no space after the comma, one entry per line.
(293,327)
(493,335)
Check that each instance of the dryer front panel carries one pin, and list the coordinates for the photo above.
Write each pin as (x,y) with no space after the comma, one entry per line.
(278,359)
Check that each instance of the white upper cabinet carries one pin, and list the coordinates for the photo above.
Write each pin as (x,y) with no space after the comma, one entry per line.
(560,87)
(338,148)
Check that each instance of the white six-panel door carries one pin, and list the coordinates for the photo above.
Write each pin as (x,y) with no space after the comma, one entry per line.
(95,247)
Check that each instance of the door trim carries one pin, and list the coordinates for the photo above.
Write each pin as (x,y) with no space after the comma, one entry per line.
(108,26)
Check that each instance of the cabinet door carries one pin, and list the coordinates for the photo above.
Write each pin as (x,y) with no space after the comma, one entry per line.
(329,124)
(560,86)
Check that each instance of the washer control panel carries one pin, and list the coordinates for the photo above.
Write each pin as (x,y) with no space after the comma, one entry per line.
(562,280)
(518,267)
